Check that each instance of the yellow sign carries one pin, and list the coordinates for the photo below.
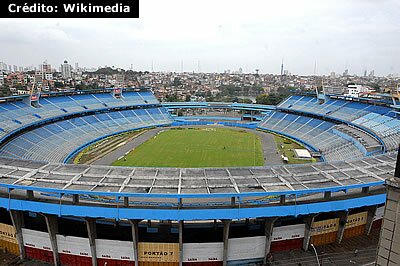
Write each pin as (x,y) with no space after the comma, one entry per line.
(7,233)
(357,219)
(159,252)
(324,227)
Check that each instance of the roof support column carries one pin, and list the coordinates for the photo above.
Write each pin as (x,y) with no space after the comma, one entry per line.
(75,199)
(269,227)
(309,220)
(92,233)
(29,194)
(226,223)
(370,218)
(135,239)
(17,219)
(282,199)
(52,229)
(180,225)
(327,195)
(342,224)
(126,202)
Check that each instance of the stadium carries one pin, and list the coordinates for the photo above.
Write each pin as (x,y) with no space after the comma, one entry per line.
(236,208)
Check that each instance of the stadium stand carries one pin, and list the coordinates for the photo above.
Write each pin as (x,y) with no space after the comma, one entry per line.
(369,142)
(16,114)
(67,214)
(380,120)
(318,133)
(357,132)
(53,142)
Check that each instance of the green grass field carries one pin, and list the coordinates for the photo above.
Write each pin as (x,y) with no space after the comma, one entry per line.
(197,147)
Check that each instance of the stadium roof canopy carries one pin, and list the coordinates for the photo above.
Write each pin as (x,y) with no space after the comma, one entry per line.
(126,180)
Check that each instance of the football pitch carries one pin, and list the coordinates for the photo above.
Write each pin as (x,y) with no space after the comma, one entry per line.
(197,147)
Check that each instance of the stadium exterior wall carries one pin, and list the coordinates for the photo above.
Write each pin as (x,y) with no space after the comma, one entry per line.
(73,250)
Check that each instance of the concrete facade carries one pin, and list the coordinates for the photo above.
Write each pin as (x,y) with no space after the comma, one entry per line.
(389,244)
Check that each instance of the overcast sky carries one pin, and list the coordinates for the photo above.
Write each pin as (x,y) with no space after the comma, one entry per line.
(219,35)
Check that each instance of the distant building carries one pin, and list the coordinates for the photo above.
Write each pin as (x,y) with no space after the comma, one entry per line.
(45,67)
(66,70)
(334,90)
(48,76)
(38,76)
(372,73)
(2,76)
(3,66)
(356,90)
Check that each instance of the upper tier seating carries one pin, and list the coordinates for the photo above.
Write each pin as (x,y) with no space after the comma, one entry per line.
(16,114)
(369,142)
(55,141)
(380,120)
(318,133)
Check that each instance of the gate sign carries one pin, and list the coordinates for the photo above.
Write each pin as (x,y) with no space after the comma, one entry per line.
(357,219)
(159,252)
(324,227)
(7,233)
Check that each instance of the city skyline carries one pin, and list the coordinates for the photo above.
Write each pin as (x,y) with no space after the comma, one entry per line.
(212,37)
(76,67)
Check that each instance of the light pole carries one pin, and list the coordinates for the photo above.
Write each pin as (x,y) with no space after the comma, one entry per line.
(316,254)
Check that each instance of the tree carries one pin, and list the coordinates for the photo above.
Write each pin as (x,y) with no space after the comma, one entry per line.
(58,84)
(270,99)
(241,100)
(80,87)
(177,82)
(262,99)
(172,98)
(5,91)
(246,100)
(106,71)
